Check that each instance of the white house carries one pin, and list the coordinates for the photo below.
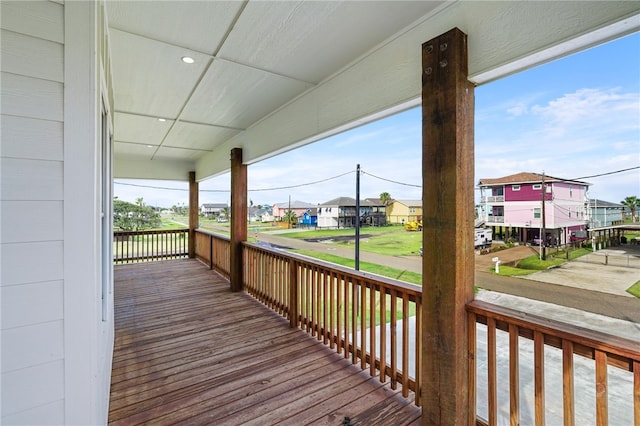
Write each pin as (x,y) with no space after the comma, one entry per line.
(92,90)
(213,209)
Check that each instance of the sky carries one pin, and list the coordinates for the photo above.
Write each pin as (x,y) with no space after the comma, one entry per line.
(573,118)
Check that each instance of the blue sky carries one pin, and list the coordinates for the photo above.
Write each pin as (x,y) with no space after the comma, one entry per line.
(574,117)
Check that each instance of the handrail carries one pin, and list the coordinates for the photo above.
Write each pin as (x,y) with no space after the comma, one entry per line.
(341,307)
(214,250)
(144,246)
(604,349)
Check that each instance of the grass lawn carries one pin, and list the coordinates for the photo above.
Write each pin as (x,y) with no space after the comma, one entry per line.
(406,276)
(388,240)
(535,264)
(510,271)
(635,290)
(385,271)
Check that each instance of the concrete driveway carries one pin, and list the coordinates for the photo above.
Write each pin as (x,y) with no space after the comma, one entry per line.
(594,276)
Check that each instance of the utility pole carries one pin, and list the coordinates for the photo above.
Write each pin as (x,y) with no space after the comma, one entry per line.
(357,259)
(543,232)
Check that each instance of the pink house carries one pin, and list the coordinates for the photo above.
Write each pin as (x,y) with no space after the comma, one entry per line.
(298,207)
(513,206)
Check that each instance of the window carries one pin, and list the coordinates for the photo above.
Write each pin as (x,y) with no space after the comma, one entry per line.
(537,186)
(570,191)
(569,211)
(536,213)
(515,187)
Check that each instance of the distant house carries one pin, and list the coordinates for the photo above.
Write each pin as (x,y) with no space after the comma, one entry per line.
(259,214)
(341,213)
(298,207)
(512,205)
(309,218)
(403,211)
(603,213)
(212,210)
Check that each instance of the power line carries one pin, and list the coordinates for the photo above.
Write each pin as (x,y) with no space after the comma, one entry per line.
(302,184)
(392,181)
(338,176)
(150,186)
(608,173)
(227,190)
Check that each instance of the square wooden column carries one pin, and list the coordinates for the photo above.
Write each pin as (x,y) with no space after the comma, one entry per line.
(194,219)
(238,216)
(448,200)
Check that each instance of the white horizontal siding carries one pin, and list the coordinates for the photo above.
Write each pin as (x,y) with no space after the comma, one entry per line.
(42,19)
(31,138)
(32,233)
(31,97)
(24,180)
(30,221)
(29,304)
(31,262)
(23,347)
(32,387)
(44,415)
(30,56)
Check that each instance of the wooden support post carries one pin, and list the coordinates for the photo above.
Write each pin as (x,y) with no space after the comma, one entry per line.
(238,217)
(193,213)
(448,205)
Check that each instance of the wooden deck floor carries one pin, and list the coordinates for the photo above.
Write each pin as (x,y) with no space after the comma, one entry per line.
(189,351)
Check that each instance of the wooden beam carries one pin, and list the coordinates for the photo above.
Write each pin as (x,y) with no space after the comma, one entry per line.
(193,213)
(448,199)
(238,217)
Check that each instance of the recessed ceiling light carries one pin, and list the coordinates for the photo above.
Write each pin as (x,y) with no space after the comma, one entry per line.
(188,59)
(162,120)
(149,146)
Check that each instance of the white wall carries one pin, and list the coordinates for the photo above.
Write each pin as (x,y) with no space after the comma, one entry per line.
(31,157)
(56,349)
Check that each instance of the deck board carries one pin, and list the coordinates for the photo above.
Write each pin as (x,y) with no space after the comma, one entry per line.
(189,351)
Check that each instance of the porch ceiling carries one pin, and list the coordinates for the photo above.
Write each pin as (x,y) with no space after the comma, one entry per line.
(271,76)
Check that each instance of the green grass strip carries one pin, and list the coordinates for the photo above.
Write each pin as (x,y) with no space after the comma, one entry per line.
(385,271)
(635,290)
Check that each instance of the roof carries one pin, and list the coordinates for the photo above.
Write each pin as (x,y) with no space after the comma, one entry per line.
(410,203)
(295,205)
(214,205)
(525,177)
(351,202)
(273,76)
(593,203)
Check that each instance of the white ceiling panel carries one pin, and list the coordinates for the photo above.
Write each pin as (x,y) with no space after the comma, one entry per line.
(197,136)
(196,25)
(236,96)
(295,39)
(273,75)
(137,150)
(150,78)
(139,129)
(178,154)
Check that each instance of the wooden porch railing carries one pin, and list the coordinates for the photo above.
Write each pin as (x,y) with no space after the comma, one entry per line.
(543,336)
(214,250)
(144,246)
(341,307)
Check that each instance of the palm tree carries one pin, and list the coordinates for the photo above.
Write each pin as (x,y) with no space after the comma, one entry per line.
(385,198)
(632,203)
(290,216)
